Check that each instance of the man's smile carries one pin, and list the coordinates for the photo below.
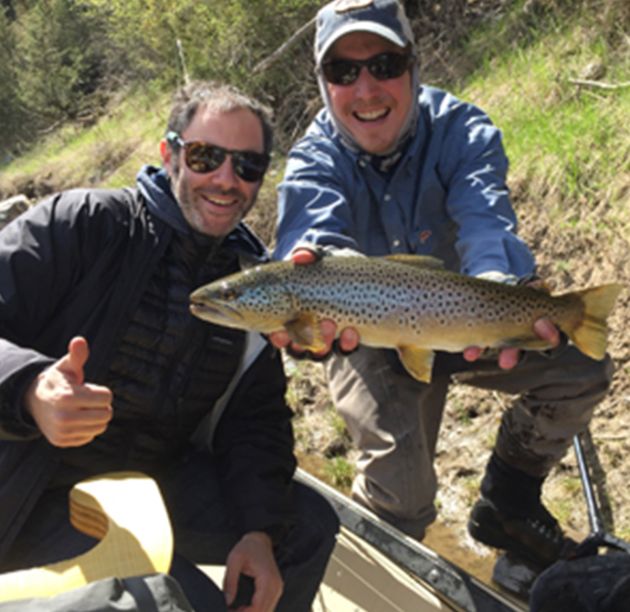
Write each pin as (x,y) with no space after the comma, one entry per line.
(373,115)
(222,201)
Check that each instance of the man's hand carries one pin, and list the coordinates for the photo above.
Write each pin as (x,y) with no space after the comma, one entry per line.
(67,410)
(544,328)
(348,339)
(509,357)
(253,556)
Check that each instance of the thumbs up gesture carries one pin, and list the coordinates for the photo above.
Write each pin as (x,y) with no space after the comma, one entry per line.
(67,410)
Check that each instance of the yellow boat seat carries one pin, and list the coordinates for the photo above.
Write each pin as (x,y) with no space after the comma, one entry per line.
(126,512)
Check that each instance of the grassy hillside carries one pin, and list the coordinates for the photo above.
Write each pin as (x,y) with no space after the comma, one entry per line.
(562,101)
(555,77)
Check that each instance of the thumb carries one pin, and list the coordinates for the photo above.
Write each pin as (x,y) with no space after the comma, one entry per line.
(73,362)
(230,580)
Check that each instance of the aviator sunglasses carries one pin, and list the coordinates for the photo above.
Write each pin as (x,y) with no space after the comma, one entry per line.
(203,157)
(382,67)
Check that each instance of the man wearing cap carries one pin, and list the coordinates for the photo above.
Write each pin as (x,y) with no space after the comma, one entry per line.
(391,166)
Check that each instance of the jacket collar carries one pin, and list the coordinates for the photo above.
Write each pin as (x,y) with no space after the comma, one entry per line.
(154,185)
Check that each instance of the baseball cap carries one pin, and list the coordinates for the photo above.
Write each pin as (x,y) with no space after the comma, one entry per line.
(385,18)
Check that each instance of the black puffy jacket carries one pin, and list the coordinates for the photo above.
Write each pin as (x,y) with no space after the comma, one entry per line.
(77,264)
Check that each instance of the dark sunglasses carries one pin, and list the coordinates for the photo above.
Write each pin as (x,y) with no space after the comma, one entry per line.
(382,67)
(203,157)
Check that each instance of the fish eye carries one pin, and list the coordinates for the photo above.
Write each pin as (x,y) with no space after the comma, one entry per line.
(229,294)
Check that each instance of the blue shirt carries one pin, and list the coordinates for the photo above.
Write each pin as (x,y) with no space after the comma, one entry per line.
(446,196)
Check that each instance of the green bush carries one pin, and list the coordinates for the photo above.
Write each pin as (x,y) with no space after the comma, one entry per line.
(12,114)
(60,59)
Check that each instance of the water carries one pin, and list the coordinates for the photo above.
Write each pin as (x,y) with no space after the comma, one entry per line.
(443,539)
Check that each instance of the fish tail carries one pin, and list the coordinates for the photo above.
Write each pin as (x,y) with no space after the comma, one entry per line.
(590,334)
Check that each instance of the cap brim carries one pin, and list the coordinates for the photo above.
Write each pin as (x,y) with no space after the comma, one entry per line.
(362,26)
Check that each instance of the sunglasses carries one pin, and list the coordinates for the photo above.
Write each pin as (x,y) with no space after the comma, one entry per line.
(203,157)
(382,67)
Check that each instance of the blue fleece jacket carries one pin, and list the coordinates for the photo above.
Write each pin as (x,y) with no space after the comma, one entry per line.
(445,196)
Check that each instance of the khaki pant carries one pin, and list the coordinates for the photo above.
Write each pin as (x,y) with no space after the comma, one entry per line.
(394,420)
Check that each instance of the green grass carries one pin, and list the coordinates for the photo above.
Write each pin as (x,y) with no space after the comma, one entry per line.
(563,507)
(340,472)
(568,144)
(470,487)
(107,153)
(623,534)
(337,423)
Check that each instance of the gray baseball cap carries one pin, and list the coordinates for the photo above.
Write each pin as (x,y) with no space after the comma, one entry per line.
(383,17)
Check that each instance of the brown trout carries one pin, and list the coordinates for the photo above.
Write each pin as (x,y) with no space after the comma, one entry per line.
(406,302)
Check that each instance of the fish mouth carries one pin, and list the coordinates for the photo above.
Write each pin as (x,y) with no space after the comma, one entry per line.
(214,312)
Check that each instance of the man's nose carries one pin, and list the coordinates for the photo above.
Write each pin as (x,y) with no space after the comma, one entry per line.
(224,175)
(365,83)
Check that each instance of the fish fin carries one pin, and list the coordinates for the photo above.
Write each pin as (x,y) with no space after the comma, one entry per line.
(420,261)
(304,330)
(418,362)
(591,332)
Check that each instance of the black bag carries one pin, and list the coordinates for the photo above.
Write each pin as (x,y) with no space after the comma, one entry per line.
(154,593)
(588,582)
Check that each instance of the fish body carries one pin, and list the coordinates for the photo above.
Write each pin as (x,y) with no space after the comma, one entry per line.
(405,302)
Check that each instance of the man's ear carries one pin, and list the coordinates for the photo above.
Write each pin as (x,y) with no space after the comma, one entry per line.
(165,153)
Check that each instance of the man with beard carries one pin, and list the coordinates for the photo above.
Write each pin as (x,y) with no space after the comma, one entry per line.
(103,368)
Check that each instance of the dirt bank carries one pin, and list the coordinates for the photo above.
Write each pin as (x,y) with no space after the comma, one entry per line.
(574,257)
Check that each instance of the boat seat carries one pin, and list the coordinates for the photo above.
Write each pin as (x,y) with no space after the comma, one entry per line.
(126,512)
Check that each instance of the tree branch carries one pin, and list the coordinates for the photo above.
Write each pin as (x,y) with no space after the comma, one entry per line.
(282,48)
(599,84)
